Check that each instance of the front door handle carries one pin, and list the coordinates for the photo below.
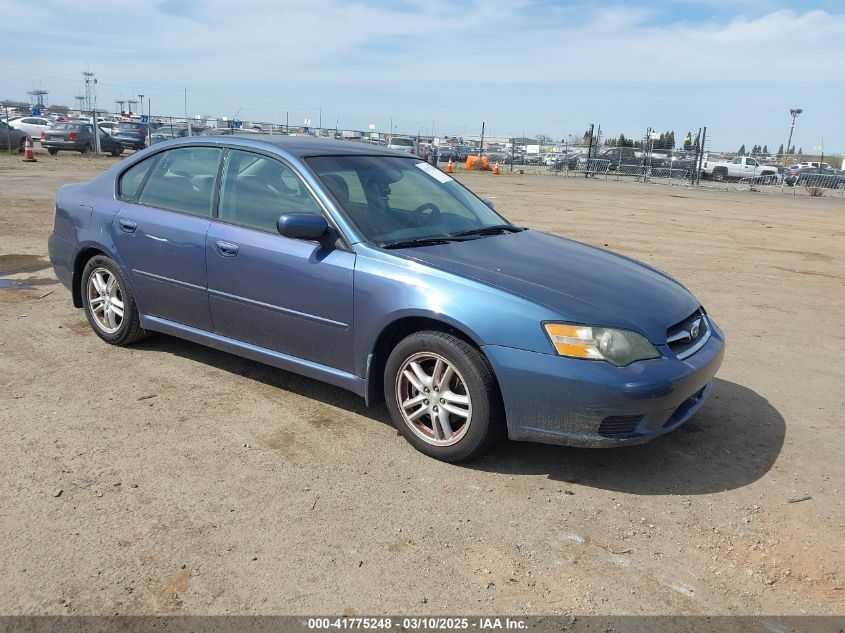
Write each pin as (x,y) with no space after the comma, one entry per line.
(128,226)
(226,249)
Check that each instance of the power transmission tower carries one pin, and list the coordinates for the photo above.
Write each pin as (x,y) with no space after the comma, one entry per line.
(90,90)
(38,97)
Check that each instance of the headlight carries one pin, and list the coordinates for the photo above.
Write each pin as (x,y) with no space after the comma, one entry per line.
(619,347)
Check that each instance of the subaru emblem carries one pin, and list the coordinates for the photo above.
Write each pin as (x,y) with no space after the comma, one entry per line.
(694,329)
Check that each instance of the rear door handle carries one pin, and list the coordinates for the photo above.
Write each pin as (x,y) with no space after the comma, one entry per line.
(226,249)
(128,226)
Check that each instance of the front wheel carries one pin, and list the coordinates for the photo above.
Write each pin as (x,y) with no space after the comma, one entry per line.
(108,302)
(442,396)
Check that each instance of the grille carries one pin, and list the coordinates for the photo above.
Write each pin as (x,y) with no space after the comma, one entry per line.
(686,337)
(619,425)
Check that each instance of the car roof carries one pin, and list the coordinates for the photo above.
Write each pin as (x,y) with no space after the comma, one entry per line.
(294,146)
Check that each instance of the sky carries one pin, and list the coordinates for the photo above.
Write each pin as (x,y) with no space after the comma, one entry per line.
(523,67)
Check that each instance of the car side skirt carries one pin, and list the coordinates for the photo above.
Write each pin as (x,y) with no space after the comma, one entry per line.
(330,375)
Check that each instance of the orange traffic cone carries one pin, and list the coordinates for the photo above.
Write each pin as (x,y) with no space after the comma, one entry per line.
(449,168)
(28,156)
(496,168)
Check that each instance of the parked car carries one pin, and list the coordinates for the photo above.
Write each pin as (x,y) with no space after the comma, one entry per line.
(812,163)
(167,132)
(132,134)
(815,177)
(738,167)
(32,126)
(17,137)
(620,156)
(462,152)
(78,137)
(445,153)
(109,127)
(496,156)
(376,272)
(401,143)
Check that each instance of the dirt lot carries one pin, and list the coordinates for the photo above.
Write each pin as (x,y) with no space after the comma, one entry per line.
(193,481)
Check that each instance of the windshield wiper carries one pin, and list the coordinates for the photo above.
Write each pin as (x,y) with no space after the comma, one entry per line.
(490,230)
(422,241)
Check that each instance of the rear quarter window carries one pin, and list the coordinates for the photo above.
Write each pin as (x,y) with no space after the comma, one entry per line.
(131,180)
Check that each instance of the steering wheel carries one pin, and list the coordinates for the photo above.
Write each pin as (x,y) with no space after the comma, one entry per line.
(435,210)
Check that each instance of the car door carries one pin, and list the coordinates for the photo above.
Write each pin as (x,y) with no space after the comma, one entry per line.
(286,295)
(159,232)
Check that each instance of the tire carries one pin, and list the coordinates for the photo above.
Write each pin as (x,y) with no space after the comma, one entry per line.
(86,149)
(116,151)
(52,151)
(22,146)
(113,329)
(474,420)
(720,175)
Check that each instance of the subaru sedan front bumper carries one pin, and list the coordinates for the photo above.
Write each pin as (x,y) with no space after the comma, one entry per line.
(559,400)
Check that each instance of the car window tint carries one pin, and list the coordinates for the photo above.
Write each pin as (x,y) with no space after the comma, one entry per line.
(132,178)
(256,190)
(183,180)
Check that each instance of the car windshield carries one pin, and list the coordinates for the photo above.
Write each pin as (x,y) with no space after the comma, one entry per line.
(129,126)
(393,200)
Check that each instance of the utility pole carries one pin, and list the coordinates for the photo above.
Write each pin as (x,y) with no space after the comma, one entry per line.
(481,145)
(794,112)
(141,99)
(187,121)
(701,155)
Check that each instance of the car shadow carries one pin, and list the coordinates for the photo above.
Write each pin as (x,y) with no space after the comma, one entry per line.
(731,442)
(265,374)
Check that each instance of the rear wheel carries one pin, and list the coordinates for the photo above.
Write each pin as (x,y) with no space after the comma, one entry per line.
(52,151)
(86,149)
(108,302)
(720,175)
(22,146)
(117,150)
(442,396)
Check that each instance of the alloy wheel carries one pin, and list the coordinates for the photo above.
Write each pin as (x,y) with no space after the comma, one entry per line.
(433,399)
(105,300)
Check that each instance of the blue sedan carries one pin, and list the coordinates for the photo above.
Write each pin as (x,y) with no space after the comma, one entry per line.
(376,272)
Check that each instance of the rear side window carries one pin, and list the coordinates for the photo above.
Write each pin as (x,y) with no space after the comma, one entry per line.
(132,178)
(183,180)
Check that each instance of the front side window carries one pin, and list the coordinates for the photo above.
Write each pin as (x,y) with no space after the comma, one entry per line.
(396,199)
(183,180)
(256,190)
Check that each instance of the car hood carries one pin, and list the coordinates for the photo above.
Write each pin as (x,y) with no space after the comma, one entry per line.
(584,284)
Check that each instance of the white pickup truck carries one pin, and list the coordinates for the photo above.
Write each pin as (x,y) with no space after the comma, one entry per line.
(739,167)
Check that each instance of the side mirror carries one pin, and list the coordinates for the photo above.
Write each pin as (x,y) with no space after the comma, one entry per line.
(489,203)
(302,226)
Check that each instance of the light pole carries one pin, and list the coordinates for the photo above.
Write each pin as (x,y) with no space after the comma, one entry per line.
(794,112)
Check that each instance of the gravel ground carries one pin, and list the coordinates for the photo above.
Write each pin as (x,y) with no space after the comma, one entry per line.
(170,478)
